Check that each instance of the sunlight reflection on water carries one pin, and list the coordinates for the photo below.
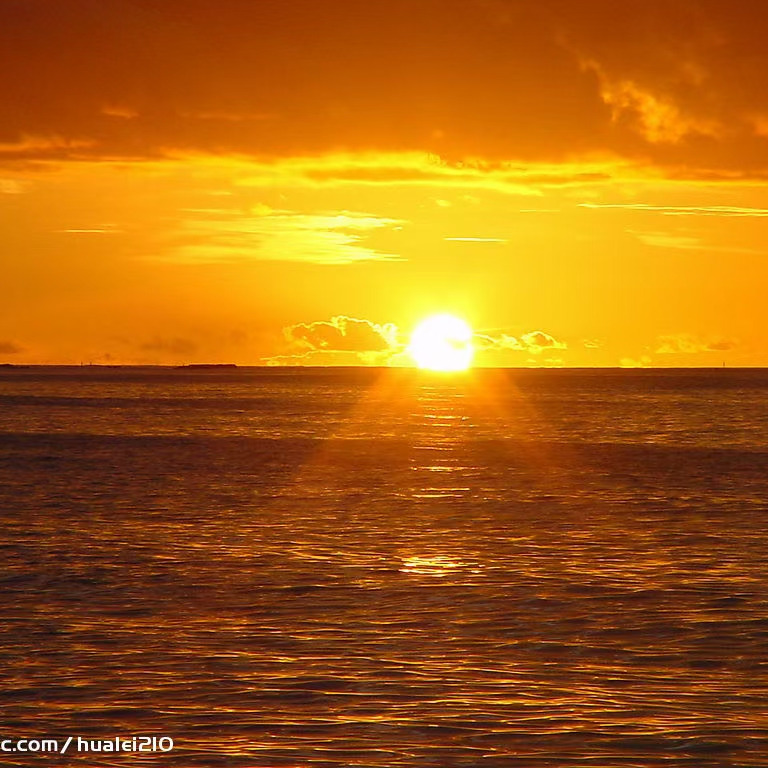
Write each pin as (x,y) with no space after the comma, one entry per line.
(332,571)
(436,565)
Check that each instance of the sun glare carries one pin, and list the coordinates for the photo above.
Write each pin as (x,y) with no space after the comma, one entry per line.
(442,343)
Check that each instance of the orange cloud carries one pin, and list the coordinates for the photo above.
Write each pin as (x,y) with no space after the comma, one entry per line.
(475,239)
(538,341)
(534,342)
(12,187)
(668,240)
(632,362)
(176,347)
(40,147)
(429,169)
(115,110)
(10,348)
(655,115)
(686,210)
(343,334)
(671,83)
(685,343)
(261,234)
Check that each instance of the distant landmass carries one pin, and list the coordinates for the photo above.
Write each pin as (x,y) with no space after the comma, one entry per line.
(205,366)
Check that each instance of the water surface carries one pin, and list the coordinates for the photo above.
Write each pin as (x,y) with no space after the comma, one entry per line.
(281,567)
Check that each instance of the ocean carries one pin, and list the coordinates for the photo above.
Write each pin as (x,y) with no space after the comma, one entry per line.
(325,568)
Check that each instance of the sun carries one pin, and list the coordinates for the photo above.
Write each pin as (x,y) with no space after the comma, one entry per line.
(442,343)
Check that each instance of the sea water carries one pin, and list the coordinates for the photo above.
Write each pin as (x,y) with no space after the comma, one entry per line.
(350,567)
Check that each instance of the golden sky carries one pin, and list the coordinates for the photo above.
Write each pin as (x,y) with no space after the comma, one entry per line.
(302,181)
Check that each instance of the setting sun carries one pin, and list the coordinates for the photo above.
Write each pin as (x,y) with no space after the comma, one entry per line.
(442,343)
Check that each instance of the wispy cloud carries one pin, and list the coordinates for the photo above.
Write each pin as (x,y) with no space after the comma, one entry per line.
(659,117)
(93,231)
(668,240)
(11,187)
(476,239)
(685,210)
(431,170)
(228,116)
(10,348)
(37,147)
(215,235)
(660,239)
(687,344)
(120,111)
(175,346)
